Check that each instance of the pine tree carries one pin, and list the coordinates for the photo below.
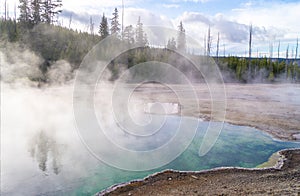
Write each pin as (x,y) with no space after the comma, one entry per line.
(56,8)
(24,7)
(181,40)
(50,8)
(141,37)
(128,35)
(115,25)
(46,14)
(103,29)
(36,10)
(171,44)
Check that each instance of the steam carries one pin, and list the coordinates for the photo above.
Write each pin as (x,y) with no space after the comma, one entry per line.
(19,64)
(22,67)
(39,142)
(60,73)
(40,147)
(38,123)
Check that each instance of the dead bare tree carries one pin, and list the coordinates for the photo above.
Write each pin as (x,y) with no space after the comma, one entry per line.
(122,18)
(15,19)
(295,61)
(278,51)
(218,45)
(208,41)
(271,50)
(205,50)
(296,55)
(271,55)
(15,12)
(91,26)
(257,62)
(250,50)
(5,10)
(70,20)
(286,61)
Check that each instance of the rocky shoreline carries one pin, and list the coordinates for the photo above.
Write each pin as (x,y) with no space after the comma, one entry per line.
(232,179)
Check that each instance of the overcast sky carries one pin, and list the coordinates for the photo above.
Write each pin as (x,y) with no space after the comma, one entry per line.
(272,20)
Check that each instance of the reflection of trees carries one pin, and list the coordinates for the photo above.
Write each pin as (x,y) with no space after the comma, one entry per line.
(45,150)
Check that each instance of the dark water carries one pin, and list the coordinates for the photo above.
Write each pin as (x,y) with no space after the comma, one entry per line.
(236,146)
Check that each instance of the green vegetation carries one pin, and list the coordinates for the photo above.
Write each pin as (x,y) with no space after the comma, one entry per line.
(263,69)
(51,42)
(35,30)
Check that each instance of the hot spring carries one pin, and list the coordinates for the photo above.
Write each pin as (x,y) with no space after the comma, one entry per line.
(42,153)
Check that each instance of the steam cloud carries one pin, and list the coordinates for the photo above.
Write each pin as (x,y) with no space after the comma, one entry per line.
(38,135)
(38,123)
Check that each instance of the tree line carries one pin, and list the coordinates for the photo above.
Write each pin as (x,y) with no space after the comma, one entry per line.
(36,28)
(129,35)
(33,12)
(260,70)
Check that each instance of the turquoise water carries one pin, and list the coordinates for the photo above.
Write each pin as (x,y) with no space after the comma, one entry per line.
(45,164)
(238,146)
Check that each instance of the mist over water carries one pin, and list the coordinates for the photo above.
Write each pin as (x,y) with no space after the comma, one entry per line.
(38,135)
(44,153)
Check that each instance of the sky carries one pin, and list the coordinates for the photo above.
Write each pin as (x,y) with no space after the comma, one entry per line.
(273,21)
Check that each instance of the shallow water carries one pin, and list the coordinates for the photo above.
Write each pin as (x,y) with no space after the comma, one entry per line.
(237,146)
(47,165)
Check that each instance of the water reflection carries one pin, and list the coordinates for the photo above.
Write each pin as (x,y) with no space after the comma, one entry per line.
(45,150)
(56,163)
